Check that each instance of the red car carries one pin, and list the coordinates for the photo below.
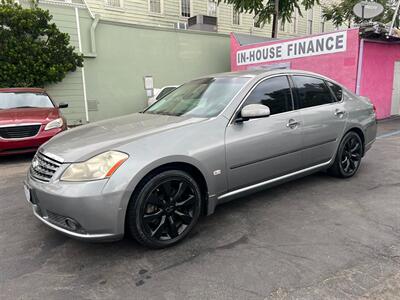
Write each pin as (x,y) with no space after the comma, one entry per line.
(28,118)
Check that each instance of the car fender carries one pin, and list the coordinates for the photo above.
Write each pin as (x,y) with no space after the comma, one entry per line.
(118,181)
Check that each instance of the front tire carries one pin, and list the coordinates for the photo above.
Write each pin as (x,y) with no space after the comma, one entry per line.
(348,156)
(164,209)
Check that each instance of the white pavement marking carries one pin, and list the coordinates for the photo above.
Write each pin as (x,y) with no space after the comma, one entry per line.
(388,134)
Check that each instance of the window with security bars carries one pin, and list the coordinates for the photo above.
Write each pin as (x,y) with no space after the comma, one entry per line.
(257,23)
(309,21)
(212,8)
(155,6)
(293,23)
(322,24)
(282,26)
(185,8)
(236,17)
(114,3)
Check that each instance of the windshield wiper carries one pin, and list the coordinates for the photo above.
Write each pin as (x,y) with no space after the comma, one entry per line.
(25,107)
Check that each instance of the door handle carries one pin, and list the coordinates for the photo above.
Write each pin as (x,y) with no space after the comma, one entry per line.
(339,113)
(292,124)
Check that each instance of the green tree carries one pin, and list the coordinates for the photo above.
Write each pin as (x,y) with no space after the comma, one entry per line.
(271,10)
(33,52)
(341,13)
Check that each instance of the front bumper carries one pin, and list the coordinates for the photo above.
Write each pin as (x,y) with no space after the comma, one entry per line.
(27,145)
(95,215)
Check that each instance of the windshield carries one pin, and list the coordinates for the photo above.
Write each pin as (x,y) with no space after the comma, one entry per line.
(23,100)
(165,91)
(203,98)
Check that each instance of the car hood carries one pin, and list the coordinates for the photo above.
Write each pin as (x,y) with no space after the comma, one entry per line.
(85,141)
(27,115)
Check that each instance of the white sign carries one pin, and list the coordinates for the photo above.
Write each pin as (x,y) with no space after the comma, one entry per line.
(316,45)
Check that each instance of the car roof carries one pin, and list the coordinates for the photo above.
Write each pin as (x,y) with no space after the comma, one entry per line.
(22,90)
(264,72)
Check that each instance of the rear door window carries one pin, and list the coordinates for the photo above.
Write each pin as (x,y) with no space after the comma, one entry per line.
(311,91)
(274,93)
(336,90)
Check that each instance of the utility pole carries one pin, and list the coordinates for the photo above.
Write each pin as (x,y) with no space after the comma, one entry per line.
(275,20)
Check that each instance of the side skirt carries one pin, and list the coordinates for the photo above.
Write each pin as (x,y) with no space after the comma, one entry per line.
(273,181)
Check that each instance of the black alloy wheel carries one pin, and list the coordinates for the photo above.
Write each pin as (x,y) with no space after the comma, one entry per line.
(348,158)
(166,209)
(351,155)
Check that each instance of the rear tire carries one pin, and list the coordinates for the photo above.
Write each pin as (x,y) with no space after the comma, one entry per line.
(348,156)
(164,209)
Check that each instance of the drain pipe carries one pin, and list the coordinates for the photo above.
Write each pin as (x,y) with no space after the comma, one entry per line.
(93,52)
(78,28)
(359,66)
(88,8)
(96,19)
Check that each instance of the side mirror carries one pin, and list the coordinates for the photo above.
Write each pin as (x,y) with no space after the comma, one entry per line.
(63,105)
(253,111)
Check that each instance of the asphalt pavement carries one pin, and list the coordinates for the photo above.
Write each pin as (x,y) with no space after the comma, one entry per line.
(314,238)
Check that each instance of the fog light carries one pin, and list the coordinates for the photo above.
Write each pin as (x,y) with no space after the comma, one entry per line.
(71,224)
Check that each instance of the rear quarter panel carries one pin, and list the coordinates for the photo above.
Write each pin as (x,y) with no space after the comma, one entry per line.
(361,115)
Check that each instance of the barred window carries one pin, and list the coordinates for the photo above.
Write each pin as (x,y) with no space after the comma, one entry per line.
(293,23)
(155,6)
(114,3)
(309,21)
(236,17)
(212,8)
(257,23)
(185,8)
(322,25)
(282,26)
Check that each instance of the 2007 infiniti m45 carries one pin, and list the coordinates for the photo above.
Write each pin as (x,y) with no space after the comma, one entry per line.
(152,174)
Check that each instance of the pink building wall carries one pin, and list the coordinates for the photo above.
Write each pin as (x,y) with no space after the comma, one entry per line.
(341,66)
(377,75)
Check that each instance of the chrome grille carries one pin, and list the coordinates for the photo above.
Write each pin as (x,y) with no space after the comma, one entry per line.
(43,167)
(19,132)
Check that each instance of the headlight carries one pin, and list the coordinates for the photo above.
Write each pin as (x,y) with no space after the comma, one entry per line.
(98,167)
(57,123)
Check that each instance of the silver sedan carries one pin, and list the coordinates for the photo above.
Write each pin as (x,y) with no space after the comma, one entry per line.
(152,174)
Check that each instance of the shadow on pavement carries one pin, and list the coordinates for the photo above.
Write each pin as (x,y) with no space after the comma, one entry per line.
(16,158)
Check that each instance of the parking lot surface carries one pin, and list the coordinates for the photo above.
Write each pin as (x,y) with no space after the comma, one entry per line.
(314,238)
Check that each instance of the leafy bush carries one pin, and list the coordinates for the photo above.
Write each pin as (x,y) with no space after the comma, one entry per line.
(33,51)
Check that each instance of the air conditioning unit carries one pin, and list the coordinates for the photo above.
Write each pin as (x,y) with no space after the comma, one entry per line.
(204,23)
(181,25)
